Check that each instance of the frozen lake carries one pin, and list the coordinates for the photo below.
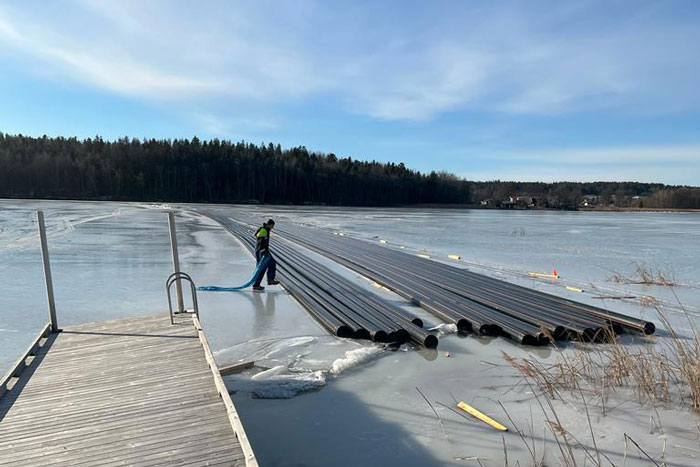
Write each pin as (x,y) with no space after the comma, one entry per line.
(111,260)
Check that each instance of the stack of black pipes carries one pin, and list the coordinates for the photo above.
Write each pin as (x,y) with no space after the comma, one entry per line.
(472,301)
(342,307)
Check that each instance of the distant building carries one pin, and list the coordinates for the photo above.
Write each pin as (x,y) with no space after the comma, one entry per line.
(589,200)
(507,203)
(514,201)
(527,201)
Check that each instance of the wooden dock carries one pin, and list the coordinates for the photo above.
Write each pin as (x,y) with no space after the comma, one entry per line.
(135,391)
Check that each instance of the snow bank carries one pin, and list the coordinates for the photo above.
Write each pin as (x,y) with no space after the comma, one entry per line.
(280,383)
(445,328)
(354,358)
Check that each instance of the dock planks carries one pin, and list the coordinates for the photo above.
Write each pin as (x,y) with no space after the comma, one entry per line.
(134,391)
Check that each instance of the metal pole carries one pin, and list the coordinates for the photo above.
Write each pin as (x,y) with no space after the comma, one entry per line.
(176,261)
(47,271)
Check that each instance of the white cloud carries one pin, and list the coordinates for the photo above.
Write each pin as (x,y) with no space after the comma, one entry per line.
(151,53)
(685,154)
(422,85)
(665,164)
(121,74)
(222,127)
(382,63)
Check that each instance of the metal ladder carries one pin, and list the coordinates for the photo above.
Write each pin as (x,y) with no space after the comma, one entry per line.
(176,277)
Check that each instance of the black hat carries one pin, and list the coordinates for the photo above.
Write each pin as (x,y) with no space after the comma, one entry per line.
(270,222)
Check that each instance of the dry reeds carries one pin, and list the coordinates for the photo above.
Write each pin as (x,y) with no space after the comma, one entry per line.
(666,371)
(645,275)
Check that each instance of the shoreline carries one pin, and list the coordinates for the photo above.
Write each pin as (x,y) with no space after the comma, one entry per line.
(403,206)
(578,209)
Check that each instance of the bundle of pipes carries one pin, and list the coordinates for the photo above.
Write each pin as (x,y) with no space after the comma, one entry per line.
(470,300)
(342,307)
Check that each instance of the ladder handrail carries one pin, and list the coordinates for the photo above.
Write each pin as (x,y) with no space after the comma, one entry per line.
(176,277)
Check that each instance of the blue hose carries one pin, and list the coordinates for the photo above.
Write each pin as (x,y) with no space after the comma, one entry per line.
(258,270)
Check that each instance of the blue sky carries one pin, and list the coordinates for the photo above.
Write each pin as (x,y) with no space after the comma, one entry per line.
(521,90)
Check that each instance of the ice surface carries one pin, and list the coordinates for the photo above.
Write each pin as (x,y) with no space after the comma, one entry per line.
(111,259)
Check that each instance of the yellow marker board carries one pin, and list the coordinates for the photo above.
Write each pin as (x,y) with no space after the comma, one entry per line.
(423,256)
(483,417)
(456,257)
(382,241)
(539,274)
(575,289)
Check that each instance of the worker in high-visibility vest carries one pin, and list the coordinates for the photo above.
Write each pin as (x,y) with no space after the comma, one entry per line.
(262,249)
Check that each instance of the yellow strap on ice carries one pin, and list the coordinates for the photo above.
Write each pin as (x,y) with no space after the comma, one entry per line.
(484,418)
(539,274)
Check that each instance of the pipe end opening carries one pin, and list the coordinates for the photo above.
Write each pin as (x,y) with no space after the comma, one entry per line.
(402,336)
(381,336)
(431,342)
(561,333)
(649,328)
(464,326)
(530,340)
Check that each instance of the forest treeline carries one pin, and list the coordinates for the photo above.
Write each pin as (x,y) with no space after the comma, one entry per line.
(239,172)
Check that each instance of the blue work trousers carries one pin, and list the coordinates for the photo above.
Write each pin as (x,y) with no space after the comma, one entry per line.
(270,268)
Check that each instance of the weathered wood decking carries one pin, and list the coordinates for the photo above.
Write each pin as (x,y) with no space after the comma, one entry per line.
(136,391)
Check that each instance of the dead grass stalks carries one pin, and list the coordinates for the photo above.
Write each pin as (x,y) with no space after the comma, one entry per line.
(665,371)
(645,275)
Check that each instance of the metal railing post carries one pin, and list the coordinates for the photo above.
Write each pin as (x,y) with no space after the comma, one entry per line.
(47,271)
(176,261)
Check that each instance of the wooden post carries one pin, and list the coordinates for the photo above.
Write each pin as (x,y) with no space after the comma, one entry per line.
(47,271)
(176,261)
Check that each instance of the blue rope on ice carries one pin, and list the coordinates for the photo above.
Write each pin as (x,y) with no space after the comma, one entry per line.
(258,270)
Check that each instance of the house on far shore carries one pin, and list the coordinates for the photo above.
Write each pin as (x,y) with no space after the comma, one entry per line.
(507,203)
(518,202)
(527,201)
(589,200)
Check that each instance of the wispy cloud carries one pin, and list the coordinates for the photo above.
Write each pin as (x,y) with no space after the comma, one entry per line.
(424,83)
(109,71)
(518,59)
(670,164)
(222,127)
(609,155)
(144,50)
